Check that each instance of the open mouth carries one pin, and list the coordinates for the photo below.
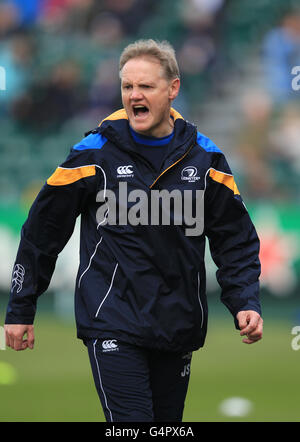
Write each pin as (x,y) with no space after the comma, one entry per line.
(140,111)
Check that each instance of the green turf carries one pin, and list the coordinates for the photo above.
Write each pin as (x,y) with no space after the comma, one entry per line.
(54,381)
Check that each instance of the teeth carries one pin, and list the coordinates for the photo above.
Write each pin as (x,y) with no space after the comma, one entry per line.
(137,107)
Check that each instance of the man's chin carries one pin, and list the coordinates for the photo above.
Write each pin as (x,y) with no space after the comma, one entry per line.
(141,127)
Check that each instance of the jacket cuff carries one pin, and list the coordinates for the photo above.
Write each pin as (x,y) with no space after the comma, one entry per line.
(26,316)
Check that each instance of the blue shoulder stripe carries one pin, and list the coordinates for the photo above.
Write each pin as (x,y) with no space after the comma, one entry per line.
(206,143)
(92,141)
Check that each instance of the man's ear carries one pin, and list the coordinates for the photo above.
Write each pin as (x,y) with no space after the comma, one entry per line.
(174,88)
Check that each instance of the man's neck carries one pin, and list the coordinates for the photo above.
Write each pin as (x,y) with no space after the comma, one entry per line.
(151,140)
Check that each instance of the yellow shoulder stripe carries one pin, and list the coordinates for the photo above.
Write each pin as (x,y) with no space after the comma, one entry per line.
(224,178)
(62,177)
(175,114)
(118,115)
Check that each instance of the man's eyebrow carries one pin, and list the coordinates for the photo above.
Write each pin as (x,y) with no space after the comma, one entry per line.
(140,83)
(147,83)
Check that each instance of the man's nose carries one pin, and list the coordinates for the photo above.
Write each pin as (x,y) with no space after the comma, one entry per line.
(136,94)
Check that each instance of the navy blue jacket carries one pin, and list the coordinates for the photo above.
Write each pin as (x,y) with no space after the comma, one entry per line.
(143,284)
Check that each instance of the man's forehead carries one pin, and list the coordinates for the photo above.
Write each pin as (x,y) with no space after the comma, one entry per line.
(142,68)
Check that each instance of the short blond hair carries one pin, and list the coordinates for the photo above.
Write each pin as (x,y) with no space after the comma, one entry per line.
(163,51)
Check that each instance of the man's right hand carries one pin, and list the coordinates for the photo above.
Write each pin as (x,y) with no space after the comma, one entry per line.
(15,334)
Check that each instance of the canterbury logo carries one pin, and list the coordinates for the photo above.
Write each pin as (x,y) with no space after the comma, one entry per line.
(18,277)
(110,345)
(125,170)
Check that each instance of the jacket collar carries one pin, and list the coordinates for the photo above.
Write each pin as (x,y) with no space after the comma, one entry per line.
(116,128)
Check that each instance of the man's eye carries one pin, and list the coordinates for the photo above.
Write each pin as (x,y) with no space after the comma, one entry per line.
(126,87)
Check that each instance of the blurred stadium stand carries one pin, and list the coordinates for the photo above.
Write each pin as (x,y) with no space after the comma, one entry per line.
(61,60)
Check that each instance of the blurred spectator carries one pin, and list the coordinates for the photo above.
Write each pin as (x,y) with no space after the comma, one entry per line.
(286,137)
(103,18)
(198,48)
(54,14)
(16,56)
(104,94)
(281,51)
(79,16)
(113,20)
(28,11)
(49,103)
(198,51)
(253,145)
(106,30)
(269,148)
(196,54)
(130,13)
(65,16)
(286,149)
(200,14)
(9,19)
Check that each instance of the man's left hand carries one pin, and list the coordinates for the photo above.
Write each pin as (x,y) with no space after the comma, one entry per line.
(251,325)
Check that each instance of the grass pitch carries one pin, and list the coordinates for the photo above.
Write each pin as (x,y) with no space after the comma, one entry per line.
(53,382)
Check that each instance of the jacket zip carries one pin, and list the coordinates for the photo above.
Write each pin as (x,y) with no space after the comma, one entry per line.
(172,165)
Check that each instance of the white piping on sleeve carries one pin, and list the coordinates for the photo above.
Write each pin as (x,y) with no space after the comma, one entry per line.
(108,291)
(106,214)
(198,291)
(104,195)
(90,262)
(205,181)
